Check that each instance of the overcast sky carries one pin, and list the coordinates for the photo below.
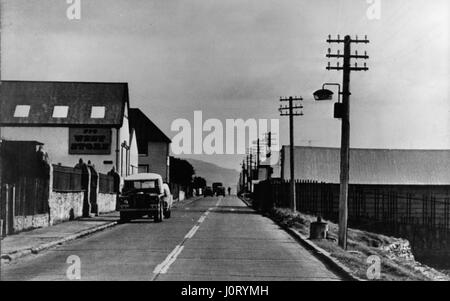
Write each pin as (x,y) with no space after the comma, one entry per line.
(235,58)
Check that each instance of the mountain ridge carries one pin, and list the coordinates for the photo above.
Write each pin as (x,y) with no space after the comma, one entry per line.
(214,173)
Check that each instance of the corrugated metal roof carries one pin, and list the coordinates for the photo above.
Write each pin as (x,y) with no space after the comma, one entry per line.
(371,166)
(146,130)
(80,97)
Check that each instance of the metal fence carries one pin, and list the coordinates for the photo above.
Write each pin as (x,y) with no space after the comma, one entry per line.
(31,196)
(106,184)
(66,178)
(7,209)
(28,196)
(391,206)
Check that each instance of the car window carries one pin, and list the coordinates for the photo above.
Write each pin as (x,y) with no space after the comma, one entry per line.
(147,185)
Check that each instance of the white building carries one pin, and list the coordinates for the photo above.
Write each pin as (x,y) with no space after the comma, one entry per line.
(74,120)
(153,145)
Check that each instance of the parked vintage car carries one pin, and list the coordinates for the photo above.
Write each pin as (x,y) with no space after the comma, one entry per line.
(145,194)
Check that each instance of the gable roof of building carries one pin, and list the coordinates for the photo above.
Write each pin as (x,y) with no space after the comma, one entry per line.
(371,166)
(146,130)
(79,97)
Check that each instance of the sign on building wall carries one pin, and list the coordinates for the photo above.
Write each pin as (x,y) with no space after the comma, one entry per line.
(90,141)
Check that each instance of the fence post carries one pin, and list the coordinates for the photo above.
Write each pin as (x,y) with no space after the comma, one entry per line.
(1,211)
(49,192)
(94,186)
(13,208)
(86,186)
(7,217)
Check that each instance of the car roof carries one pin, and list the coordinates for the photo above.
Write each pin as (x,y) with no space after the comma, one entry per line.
(143,176)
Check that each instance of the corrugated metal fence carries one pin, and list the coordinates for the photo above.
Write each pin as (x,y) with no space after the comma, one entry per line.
(427,206)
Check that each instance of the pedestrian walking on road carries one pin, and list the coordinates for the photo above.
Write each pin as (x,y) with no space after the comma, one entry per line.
(229,190)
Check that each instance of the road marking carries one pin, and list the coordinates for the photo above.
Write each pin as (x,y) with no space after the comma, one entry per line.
(172,260)
(192,232)
(164,266)
(160,266)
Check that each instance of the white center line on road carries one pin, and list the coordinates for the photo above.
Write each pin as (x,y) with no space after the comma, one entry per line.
(160,266)
(172,260)
(192,232)
(164,266)
(202,218)
(218,202)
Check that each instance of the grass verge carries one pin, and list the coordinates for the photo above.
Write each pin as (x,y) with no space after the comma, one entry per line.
(397,260)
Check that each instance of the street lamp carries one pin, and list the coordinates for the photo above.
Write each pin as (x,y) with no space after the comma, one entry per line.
(342,111)
(325,94)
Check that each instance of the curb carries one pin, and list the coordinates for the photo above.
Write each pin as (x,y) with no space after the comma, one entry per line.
(35,250)
(245,202)
(323,255)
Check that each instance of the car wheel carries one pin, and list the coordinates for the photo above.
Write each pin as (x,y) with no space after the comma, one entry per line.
(159,215)
(167,213)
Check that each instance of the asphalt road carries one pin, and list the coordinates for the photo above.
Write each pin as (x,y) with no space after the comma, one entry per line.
(213,238)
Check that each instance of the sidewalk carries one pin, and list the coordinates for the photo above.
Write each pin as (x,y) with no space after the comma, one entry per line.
(31,242)
(25,243)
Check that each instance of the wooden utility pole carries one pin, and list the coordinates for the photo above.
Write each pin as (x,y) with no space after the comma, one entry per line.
(268,138)
(244,176)
(289,111)
(345,126)
(257,154)
(248,173)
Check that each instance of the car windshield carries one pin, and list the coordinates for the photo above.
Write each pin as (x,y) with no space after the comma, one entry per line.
(150,185)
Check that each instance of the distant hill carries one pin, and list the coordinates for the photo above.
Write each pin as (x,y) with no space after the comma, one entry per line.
(213,173)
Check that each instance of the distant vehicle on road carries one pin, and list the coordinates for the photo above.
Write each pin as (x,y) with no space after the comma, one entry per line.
(218,189)
(145,194)
(208,191)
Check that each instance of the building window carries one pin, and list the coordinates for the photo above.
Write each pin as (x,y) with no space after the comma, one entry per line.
(60,111)
(143,168)
(98,112)
(22,111)
(143,152)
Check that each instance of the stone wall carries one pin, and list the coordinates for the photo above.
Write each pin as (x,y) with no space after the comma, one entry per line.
(22,223)
(106,202)
(65,206)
